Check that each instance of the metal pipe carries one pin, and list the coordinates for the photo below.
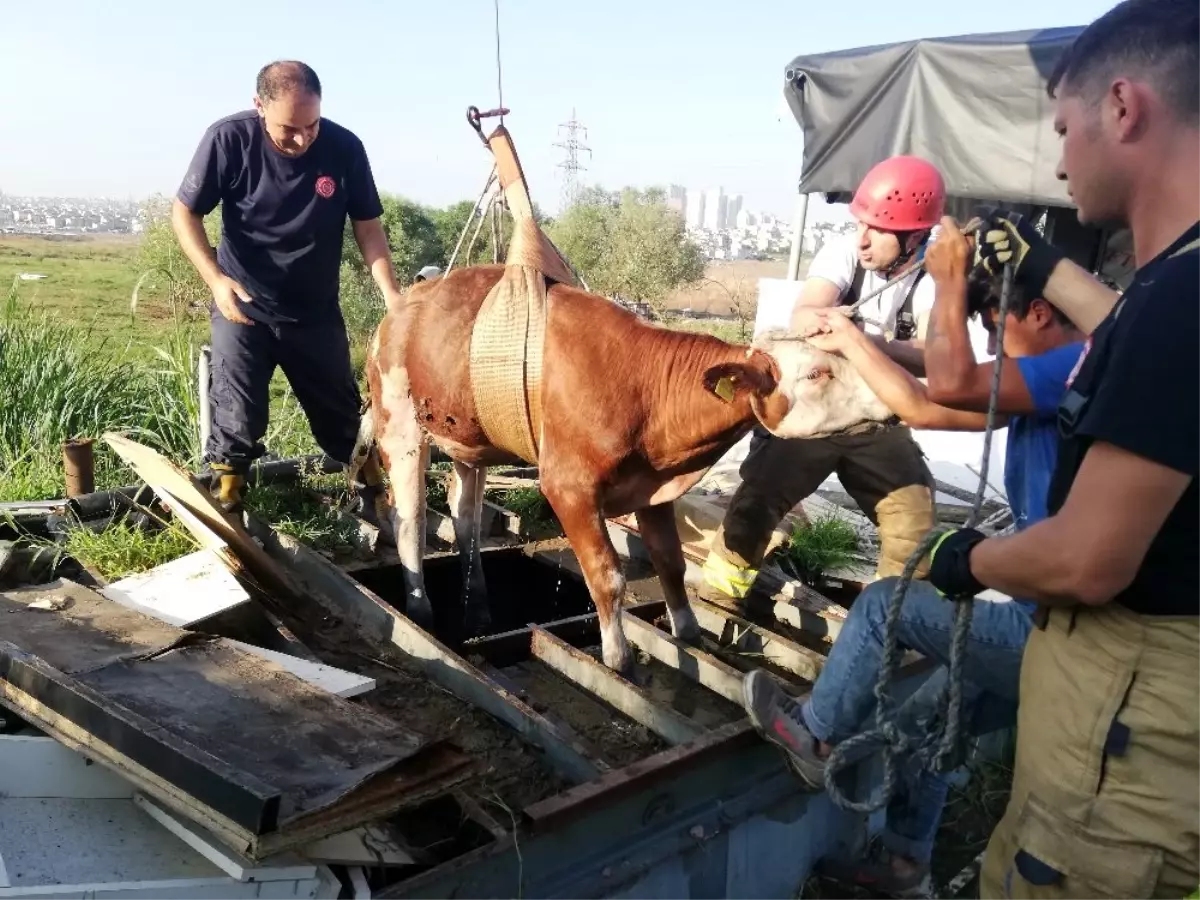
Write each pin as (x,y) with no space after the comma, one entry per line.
(203,367)
(79,466)
(798,237)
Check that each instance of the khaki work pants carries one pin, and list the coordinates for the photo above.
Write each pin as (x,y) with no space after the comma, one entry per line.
(884,471)
(1106,790)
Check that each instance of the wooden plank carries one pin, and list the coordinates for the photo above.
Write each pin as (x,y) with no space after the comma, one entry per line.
(382,623)
(358,883)
(732,630)
(327,678)
(286,867)
(181,592)
(40,767)
(597,678)
(160,473)
(697,665)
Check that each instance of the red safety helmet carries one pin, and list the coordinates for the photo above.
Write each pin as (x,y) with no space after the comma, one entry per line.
(902,193)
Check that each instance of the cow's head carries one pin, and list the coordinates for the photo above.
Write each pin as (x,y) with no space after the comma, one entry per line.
(796,390)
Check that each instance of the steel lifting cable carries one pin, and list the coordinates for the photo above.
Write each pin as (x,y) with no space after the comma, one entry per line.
(471,218)
(939,746)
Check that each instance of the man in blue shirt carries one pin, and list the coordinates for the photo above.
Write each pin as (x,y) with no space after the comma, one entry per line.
(287,180)
(1045,348)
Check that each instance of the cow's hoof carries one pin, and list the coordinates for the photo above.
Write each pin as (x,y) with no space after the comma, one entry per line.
(419,610)
(619,658)
(684,625)
(477,622)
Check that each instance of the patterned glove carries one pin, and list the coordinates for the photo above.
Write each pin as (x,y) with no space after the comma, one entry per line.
(950,564)
(1010,237)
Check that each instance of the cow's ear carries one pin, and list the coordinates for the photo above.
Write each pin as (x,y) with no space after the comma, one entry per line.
(732,380)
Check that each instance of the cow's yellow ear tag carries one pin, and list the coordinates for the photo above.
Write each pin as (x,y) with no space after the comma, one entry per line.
(724,389)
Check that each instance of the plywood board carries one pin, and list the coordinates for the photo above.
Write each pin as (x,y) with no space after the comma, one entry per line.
(181,592)
(327,678)
(284,867)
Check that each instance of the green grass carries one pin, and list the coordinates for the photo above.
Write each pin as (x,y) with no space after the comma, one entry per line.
(527,503)
(122,549)
(825,544)
(89,282)
(292,509)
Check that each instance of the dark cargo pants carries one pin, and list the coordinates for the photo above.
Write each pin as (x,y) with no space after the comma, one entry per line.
(884,471)
(316,361)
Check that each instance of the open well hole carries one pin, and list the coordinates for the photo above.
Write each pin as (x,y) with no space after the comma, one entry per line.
(521,589)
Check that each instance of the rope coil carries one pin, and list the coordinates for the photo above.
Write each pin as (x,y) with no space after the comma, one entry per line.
(939,748)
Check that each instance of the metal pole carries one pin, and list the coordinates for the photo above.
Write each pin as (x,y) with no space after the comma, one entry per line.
(202,369)
(797,237)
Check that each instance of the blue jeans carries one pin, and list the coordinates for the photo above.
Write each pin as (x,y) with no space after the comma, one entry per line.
(843,697)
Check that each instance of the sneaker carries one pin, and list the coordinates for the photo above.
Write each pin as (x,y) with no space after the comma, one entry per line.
(876,873)
(776,716)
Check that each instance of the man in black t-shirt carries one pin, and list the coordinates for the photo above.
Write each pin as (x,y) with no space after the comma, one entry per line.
(286,180)
(1106,788)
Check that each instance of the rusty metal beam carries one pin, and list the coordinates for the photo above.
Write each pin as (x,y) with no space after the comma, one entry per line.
(622,695)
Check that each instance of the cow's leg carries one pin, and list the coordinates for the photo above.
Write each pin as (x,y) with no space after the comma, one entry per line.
(405,453)
(656,524)
(466,507)
(584,527)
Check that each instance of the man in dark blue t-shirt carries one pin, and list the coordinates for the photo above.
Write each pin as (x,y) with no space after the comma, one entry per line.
(286,180)
(1041,348)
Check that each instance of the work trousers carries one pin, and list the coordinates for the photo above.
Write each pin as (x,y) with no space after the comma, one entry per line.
(842,702)
(316,361)
(1106,787)
(884,471)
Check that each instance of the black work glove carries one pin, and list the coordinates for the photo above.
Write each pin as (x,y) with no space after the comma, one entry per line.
(950,564)
(1010,237)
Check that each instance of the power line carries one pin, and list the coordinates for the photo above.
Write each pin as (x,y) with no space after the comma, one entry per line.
(571,166)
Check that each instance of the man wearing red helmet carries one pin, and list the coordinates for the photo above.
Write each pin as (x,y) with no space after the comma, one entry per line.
(897,205)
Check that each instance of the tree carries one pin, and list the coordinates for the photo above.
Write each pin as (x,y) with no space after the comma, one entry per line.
(631,245)
(451,222)
(412,237)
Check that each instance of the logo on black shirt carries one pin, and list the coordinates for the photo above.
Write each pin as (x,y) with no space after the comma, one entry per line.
(326,186)
(1087,346)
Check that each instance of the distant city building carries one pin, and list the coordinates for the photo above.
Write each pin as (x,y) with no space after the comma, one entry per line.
(694,209)
(677,199)
(732,207)
(714,209)
(746,220)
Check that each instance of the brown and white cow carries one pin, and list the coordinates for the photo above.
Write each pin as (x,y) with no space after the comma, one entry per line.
(630,421)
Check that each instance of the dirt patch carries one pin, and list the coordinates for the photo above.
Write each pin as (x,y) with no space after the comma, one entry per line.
(602,731)
(672,688)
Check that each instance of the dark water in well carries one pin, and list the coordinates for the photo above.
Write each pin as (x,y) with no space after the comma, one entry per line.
(521,589)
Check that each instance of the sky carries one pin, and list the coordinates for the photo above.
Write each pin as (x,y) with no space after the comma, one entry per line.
(110,99)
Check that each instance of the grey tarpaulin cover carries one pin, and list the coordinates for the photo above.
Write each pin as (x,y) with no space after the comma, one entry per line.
(975,106)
